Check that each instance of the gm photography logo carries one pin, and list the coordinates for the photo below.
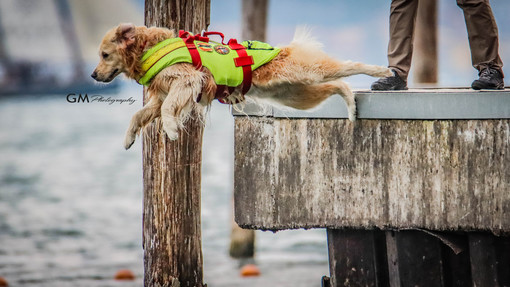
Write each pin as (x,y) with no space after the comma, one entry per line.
(79,98)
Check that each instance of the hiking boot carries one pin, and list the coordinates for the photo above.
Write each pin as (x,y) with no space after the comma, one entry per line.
(490,79)
(393,83)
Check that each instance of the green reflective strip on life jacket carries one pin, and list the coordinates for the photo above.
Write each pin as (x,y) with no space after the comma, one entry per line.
(218,58)
(164,54)
(157,55)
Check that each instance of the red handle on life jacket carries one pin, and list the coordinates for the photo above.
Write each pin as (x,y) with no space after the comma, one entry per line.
(184,34)
(206,34)
(189,38)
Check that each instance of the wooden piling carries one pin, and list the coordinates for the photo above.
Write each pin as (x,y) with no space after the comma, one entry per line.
(172,174)
(457,267)
(65,18)
(419,259)
(242,241)
(357,258)
(483,260)
(255,19)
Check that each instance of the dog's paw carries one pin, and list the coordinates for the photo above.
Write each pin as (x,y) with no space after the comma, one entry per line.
(388,73)
(352,112)
(172,135)
(129,140)
(170,127)
(352,116)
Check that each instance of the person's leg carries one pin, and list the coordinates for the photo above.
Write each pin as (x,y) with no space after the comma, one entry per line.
(400,47)
(483,42)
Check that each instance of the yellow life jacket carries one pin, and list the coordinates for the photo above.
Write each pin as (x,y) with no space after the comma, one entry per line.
(228,63)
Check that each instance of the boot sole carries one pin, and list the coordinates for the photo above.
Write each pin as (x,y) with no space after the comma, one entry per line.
(481,86)
(386,89)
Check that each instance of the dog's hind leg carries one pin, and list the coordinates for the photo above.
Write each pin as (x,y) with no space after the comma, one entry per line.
(339,69)
(141,118)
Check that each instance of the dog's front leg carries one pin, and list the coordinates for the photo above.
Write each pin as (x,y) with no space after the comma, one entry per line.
(147,114)
(173,117)
(177,106)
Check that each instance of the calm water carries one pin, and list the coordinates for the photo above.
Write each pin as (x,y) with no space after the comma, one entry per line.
(71,200)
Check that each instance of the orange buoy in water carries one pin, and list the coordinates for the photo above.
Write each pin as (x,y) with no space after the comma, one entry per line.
(250,270)
(124,274)
(3,282)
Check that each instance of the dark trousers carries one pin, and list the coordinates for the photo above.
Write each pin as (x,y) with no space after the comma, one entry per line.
(481,27)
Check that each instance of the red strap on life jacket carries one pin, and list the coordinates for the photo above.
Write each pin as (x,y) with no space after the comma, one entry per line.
(189,39)
(245,61)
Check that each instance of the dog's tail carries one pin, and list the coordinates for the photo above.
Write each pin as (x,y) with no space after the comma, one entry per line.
(303,38)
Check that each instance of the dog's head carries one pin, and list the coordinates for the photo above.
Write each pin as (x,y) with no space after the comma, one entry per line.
(112,52)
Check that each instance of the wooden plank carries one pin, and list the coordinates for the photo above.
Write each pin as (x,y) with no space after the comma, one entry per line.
(419,259)
(442,104)
(436,175)
(419,104)
(381,258)
(392,255)
(355,257)
(483,260)
(457,267)
(502,245)
(244,198)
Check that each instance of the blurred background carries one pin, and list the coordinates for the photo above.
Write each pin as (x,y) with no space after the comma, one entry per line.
(71,196)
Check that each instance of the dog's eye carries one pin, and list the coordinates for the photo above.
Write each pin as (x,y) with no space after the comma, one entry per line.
(105,55)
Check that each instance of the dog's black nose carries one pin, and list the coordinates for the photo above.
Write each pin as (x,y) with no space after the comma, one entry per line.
(94,75)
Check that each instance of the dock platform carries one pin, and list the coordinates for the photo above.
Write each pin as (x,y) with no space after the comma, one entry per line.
(436,160)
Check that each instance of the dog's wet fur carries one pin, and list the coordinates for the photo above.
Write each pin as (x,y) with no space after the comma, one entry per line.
(301,76)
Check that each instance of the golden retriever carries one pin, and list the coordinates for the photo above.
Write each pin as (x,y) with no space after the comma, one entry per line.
(301,76)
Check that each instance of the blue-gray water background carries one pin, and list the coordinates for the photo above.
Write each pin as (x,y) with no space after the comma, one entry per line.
(71,196)
(71,200)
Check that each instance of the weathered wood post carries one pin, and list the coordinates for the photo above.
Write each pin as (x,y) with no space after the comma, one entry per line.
(242,241)
(5,59)
(425,43)
(171,174)
(71,38)
(255,19)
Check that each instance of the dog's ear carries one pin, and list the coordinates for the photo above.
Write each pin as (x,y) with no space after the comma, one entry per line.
(125,35)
